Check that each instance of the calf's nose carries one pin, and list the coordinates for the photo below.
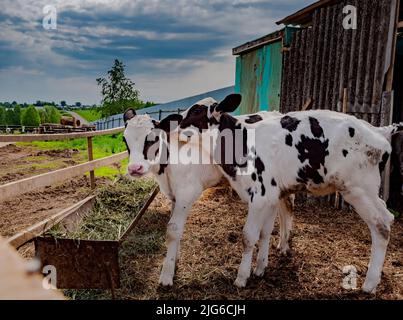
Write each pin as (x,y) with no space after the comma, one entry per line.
(135,169)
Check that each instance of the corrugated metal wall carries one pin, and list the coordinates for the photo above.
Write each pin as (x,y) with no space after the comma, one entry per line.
(258,78)
(325,58)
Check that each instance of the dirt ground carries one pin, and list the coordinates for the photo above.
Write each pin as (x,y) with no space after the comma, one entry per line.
(17,163)
(323,241)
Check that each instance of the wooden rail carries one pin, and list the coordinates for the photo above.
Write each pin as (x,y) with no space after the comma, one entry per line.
(56,136)
(19,187)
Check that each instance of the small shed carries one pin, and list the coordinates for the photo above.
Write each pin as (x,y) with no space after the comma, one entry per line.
(344,69)
(258,71)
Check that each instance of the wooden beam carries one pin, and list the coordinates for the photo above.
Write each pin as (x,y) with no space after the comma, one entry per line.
(307,105)
(41,227)
(19,187)
(139,214)
(345,100)
(390,74)
(90,158)
(57,136)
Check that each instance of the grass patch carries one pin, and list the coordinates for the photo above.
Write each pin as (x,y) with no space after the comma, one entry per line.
(89,114)
(103,146)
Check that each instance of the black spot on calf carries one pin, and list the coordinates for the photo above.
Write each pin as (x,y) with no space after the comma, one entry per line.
(251,194)
(253,119)
(254,176)
(289,123)
(259,165)
(382,164)
(351,131)
(316,129)
(345,153)
(273,183)
(315,151)
(288,140)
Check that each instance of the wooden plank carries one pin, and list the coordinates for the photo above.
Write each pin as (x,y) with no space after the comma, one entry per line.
(345,100)
(19,187)
(90,158)
(307,105)
(140,214)
(57,136)
(41,227)
(390,74)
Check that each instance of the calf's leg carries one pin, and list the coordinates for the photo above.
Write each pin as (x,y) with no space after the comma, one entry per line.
(254,224)
(285,221)
(374,212)
(176,225)
(264,243)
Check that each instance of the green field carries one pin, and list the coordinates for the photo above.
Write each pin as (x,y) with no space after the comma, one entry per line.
(89,114)
(103,146)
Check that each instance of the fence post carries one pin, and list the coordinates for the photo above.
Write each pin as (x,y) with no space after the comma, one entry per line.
(90,158)
(159,114)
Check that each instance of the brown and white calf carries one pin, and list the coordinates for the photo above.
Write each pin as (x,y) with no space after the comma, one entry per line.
(151,145)
(319,152)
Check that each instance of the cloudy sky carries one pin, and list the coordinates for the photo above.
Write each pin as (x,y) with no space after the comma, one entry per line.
(171,48)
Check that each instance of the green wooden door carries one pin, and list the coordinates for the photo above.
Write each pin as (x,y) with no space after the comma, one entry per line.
(258,79)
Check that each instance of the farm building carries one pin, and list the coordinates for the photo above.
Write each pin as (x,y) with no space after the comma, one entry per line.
(316,63)
(259,70)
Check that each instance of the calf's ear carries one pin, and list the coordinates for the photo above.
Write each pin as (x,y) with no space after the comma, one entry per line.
(129,114)
(229,104)
(165,124)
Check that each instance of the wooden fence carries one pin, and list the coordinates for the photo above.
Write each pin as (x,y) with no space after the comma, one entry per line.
(19,187)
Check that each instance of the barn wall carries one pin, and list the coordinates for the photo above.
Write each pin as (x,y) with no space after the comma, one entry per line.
(325,58)
(258,78)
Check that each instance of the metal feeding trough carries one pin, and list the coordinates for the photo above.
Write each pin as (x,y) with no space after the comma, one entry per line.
(85,264)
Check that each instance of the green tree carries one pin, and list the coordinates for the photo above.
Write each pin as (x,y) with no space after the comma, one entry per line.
(30,117)
(63,103)
(2,116)
(17,115)
(118,92)
(43,115)
(52,114)
(10,118)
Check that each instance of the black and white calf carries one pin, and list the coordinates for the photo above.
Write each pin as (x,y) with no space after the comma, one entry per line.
(150,143)
(319,152)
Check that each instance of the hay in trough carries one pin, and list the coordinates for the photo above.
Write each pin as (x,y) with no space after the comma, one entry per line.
(115,207)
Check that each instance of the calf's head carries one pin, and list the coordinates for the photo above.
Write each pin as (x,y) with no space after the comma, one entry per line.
(146,141)
(208,112)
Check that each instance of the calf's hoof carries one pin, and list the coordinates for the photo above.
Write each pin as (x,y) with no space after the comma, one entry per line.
(284,249)
(166,281)
(369,287)
(240,283)
(259,270)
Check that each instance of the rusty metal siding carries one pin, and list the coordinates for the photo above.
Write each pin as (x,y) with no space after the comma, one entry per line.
(258,78)
(325,58)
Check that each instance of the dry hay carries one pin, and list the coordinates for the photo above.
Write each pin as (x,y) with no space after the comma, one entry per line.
(114,209)
(324,240)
